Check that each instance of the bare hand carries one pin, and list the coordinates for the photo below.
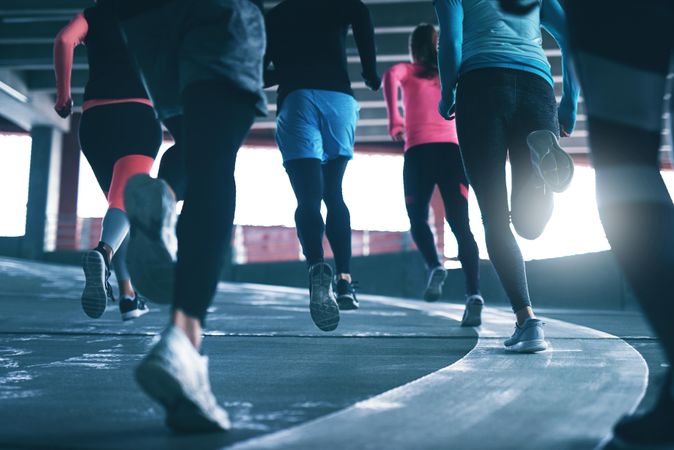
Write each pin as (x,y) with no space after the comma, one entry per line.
(563,132)
(399,136)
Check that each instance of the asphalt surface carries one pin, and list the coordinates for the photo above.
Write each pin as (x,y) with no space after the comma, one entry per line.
(66,380)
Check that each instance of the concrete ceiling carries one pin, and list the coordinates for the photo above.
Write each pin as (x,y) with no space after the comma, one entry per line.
(27,28)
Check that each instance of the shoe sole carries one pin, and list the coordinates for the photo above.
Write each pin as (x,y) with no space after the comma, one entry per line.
(555,165)
(347,303)
(136,313)
(94,296)
(532,346)
(433,291)
(472,316)
(151,209)
(182,414)
(322,303)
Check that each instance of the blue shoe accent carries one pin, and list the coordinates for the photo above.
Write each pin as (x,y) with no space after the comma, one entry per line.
(529,338)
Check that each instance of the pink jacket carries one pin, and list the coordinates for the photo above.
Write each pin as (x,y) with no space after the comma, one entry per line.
(422,124)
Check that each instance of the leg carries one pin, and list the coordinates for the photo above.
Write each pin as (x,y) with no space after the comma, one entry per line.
(625,124)
(624,112)
(531,200)
(338,221)
(338,120)
(484,102)
(122,271)
(453,186)
(116,153)
(217,119)
(172,167)
(306,179)
(418,191)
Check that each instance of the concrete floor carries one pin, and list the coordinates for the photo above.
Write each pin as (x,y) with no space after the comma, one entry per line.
(396,374)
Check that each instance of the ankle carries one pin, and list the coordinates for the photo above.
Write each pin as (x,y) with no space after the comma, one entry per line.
(126,289)
(107,249)
(190,326)
(344,276)
(524,314)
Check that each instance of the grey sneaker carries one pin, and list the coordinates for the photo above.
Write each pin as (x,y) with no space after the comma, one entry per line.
(472,315)
(176,375)
(322,304)
(551,163)
(436,278)
(151,207)
(529,338)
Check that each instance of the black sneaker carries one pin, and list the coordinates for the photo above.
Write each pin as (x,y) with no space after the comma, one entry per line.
(652,430)
(322,304)
(346,295)
(97,289)
(132,308)
(436,278)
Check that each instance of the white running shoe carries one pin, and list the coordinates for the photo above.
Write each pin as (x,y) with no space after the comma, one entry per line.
(153,246)
(176,375)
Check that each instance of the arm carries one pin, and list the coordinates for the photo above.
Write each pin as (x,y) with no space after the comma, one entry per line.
(391,82)
(554,21)
(270,75)
(450,40)
(363,33)
(64,45)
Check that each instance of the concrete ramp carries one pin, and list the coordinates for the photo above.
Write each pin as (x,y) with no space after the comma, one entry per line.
(566,398)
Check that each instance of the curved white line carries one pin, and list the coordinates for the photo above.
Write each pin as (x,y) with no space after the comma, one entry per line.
(566,398)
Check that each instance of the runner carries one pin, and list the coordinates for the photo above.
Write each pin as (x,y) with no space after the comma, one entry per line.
(432,158)
(202,60)
(506,106)
(120,137)
(623,64)
(316,125)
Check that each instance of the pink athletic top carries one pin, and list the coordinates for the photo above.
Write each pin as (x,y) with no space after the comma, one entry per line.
(422,123)
(68,38)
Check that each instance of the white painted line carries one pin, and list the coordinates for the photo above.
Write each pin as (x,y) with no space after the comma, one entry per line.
(566,398)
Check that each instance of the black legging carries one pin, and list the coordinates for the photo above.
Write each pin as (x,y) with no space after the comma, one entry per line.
(313,182)
(624,118)
(217,118)
(172,166)
(496,109)
(440,164)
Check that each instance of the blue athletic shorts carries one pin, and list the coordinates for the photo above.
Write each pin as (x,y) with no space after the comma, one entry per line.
(317,124)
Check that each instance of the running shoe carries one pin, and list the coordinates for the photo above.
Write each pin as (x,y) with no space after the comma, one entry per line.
(529,338)
(346,295)
(175,375)
(323,304)
(472,315)
(132,308)
(652,430)
(97,289)
(151,207)
(551,163)
(436,278)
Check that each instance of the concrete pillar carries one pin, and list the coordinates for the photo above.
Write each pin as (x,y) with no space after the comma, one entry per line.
(68,227)
(42,208)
